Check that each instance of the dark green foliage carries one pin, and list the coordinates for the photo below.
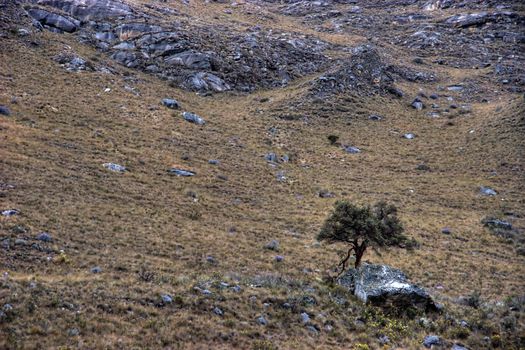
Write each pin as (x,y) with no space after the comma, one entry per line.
(361,227)
(333,139)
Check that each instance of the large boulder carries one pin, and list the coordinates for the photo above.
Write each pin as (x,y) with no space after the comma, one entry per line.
(54,20)
(384,286)
(86,10)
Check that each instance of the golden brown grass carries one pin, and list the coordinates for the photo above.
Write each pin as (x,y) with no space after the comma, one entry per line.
(64,126)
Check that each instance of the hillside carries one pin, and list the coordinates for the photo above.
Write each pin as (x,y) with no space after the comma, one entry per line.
(147,259)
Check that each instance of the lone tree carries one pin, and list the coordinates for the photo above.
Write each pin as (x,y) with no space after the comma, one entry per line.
(361,227)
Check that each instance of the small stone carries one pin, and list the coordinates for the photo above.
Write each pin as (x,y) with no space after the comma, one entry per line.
(114,167)
(496,223)
(166,299)
(181,172)
(271,157)
(326,194)
(10,212)
(236,289)
(262,321)
(305,318)
(5,111)
(213,162)
(409,136)
(312,329)
(23,32)
(487,191)
(351,149)
(211,260)
(417,104)
(281,177)
(431,340)
(7,308)
(73,332)
(375,117)
(217,311)
(458,347)
(383,340)
(272,245)
(20,241)
(193,118)
(44,237)
(279,258)
(434,96)
(96,269)
(423,167)
(170,103)
(446,231)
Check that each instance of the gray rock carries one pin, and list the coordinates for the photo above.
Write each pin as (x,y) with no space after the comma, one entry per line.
(90,10)
(125,46)
(281,176)
(217,311)
(193,118)
(326,194)
(44,237)
(213,162)
(171,103)
(458,347)
(375,117)
(418,104)
(272,245)
(203,81)
(487,191)
(446,231)
(305,318)
(351,149)
(105,36)
(279,258)
(62,23)
(431,340)
(20,241)
(496,223)
(262,321)
(114,167)
(73,332)
(96,269)
(271,157)
(166,299)
(236,289)
(387,287)
(7,308)
(383,340)
(4,110)
(181,172)
(467,20)
(10,212)
(409,136)
(190,59)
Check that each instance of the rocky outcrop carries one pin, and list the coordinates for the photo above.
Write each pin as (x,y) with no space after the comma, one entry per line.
(89,10)
(384,286)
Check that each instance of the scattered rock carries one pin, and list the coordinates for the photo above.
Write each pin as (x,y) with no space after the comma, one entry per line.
(54,21)
(496,223)
(351,149)
(44,237)
(375,117)
(217,311)
(409,136)
(181,172)
(279,258)
(487,191)
(446,231)
(5,111)
(96,269)
(193,118)
(431,340)
(170,103)
(10,212)
(305,318)
(261,321)
(272,245)
(271,157)
(166,299)
(418,104)
(458,347)
(213,162)
(114,167)
(423,167)
(326,194)
(73,332)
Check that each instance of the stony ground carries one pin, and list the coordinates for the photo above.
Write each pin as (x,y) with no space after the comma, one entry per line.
(148,259)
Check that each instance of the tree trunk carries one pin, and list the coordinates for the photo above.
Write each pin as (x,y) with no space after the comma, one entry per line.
(359,252)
